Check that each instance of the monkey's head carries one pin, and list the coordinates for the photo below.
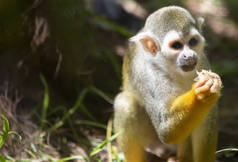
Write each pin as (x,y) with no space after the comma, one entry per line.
(172,33)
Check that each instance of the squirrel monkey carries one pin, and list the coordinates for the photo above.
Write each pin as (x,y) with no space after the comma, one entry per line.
(167,95)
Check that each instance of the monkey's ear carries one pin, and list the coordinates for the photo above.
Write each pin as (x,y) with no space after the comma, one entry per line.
(149,45)
(147,41)
(200,22)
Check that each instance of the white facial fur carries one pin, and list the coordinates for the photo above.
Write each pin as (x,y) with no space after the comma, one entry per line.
(194,32)
(176,55)
(170,36)
(174,35)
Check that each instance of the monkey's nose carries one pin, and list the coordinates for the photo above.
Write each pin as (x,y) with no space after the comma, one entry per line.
(187,63)
(190,60)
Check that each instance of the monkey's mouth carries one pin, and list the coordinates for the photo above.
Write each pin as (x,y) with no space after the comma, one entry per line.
(187,68)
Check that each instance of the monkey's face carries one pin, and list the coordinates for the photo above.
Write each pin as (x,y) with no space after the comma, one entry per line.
(183,50)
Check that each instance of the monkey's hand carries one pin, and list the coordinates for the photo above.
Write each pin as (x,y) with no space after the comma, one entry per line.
(207,84)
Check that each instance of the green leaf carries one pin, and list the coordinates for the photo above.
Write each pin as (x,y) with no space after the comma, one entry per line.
(2,159)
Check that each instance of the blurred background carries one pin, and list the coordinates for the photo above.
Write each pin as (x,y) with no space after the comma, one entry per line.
(60,69)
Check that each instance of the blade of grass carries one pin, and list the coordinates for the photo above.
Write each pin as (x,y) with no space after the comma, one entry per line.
(23,160)
(45,101)
(5,130)
(72,158)
(16,134)
(46,157)
(102,144)
(86,112)
(75,135)
(30,153)
(71,110)
(101,94)
(58,108)
(227,149)
(33,147)
(109,145)
(91,123)
(9,158)
(5,124)
(114,153)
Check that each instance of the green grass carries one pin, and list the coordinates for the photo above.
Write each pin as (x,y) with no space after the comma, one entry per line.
(45,101)
(47,111)
(71,111)
(102,144)
(72,158)
(227,149)
(4,133)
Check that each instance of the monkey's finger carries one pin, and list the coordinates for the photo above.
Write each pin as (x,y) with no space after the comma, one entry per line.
(214,75)
(215,87)
(209,83)
(200,82)
(205,87)
(210,73)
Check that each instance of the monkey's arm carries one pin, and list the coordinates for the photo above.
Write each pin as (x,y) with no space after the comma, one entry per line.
(188,110)
(187,113)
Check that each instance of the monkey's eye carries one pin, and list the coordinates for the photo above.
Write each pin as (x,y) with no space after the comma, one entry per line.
(176,45)
(193,42)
